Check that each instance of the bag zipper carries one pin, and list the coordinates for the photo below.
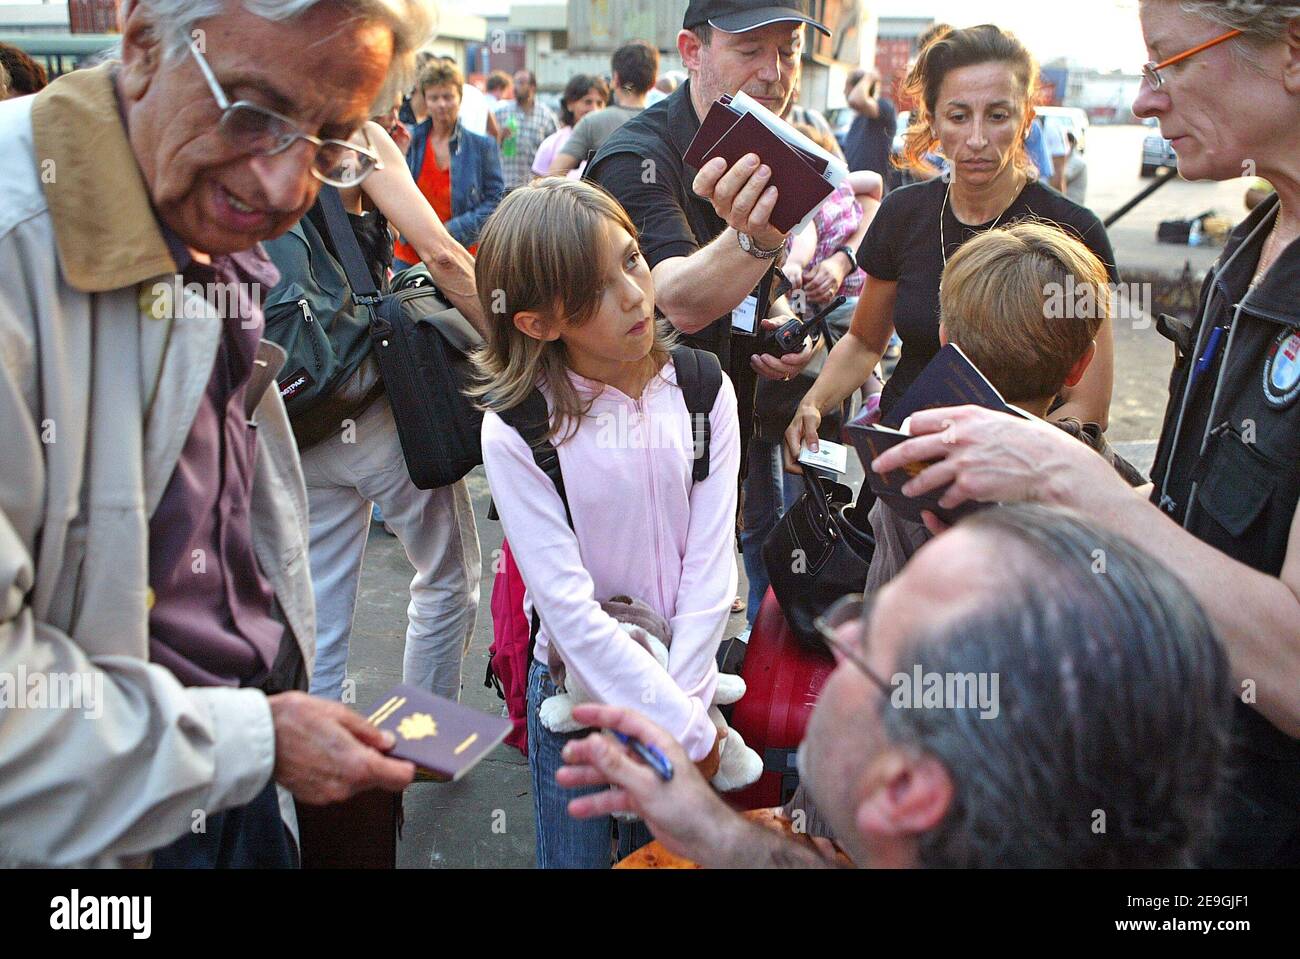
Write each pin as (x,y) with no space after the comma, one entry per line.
(308,319)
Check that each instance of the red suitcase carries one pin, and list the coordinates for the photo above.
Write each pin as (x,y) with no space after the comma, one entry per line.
(783,679)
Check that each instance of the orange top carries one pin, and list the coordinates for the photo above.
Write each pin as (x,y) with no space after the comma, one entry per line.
(435,183)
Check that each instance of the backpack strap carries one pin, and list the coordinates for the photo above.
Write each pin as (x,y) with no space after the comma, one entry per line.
(699,375)
(531,420)
(347,247)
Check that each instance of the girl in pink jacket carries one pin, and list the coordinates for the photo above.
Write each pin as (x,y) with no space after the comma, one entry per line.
(571,313)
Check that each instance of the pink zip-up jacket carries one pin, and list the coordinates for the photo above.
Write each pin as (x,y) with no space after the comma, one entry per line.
(641,528)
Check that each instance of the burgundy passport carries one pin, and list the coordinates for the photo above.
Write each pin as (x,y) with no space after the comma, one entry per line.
(799,186)
(716,122)
(443,738)
(721,118)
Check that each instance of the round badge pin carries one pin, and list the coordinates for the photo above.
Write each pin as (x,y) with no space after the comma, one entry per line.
(1282,370)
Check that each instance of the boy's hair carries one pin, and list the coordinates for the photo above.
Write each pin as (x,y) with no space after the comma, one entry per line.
(1006,301)
(543,249)
(498,80)
(440,73)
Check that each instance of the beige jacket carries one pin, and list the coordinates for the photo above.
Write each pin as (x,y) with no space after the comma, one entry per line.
(97,397)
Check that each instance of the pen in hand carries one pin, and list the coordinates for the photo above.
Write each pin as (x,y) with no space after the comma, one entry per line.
(651,756)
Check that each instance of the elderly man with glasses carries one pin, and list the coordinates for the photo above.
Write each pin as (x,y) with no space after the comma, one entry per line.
(153,520)
(1028,692)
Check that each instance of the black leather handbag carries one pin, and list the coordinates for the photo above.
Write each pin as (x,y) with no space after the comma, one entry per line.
(424,348)
(814,555)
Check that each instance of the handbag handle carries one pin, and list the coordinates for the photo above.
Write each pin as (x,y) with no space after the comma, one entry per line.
(820,500)
(347,247)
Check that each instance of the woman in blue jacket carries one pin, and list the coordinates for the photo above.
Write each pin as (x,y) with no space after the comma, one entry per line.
(458,171)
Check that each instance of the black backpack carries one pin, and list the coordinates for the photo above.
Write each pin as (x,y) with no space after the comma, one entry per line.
(699,375)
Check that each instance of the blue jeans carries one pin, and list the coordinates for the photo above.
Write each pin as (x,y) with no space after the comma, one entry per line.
(245,837)
(769,492)
(562,841)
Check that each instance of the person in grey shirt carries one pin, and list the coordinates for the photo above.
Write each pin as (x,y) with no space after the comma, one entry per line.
(633,67)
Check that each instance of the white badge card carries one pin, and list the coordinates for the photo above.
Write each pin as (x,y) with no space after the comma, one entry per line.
(744,317)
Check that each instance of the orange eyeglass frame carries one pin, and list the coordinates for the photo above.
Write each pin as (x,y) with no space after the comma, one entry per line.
(1151,70)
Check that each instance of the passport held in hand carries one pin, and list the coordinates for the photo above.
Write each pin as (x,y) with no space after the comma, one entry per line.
(950,379)
(444,739)
(803,174)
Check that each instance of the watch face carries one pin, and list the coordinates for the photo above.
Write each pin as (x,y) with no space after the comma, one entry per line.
(745,243)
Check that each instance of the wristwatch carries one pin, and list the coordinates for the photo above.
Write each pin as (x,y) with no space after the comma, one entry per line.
(753,249)
(850,253)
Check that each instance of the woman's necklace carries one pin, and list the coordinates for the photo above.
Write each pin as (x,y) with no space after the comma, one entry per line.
(943,244)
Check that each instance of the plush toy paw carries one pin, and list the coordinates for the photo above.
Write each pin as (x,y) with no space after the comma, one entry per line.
(739,765)
(729,690)
(556,714)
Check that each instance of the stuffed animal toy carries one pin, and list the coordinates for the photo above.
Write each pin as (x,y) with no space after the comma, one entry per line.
(739,766)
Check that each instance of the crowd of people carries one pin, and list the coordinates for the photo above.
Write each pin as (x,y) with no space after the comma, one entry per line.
(186,490)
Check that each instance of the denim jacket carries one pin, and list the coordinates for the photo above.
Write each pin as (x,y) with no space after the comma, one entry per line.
(476,182)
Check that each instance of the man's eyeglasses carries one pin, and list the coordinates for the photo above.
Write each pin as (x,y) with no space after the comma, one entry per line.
(853,608)
(1151,70)
(259,131)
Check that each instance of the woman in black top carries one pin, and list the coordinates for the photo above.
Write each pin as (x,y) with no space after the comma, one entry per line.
(975,89)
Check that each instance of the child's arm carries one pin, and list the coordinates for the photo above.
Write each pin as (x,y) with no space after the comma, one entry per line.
(596,649)
(867,183)
(708,582)
(803,247)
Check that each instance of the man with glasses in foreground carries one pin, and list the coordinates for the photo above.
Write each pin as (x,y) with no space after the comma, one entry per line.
(1102,745)
(153,520)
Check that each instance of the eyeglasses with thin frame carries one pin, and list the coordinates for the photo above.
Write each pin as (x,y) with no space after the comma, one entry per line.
(259,131)
(851,608)
(1151,70)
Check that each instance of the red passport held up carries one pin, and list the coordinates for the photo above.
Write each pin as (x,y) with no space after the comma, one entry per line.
(796,173)
(443,738)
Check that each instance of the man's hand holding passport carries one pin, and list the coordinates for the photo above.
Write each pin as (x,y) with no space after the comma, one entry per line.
(803,173)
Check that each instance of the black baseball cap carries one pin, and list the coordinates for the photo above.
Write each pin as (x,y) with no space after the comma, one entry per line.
(739,16)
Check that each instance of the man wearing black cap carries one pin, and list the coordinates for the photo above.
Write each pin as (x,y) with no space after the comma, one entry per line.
(705,233)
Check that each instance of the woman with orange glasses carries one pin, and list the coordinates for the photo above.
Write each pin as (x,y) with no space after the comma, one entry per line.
(1224,82)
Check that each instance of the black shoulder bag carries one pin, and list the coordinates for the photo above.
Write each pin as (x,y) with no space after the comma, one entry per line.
(423,346)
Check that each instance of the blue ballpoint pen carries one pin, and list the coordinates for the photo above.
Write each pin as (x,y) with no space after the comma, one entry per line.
(653,758)
(1211,350)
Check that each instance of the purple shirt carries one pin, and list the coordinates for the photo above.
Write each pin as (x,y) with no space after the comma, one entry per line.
(213,620)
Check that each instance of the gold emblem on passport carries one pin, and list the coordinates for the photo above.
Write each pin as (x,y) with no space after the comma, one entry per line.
(417,726)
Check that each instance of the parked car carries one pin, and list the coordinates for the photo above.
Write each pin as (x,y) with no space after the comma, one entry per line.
(1157,152)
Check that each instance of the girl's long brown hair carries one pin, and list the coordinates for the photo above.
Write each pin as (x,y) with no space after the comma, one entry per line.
(542,249)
